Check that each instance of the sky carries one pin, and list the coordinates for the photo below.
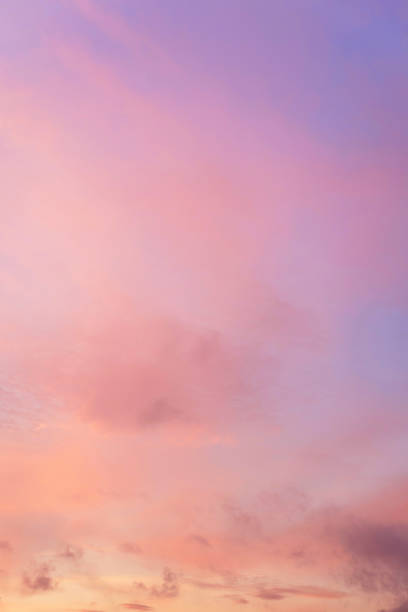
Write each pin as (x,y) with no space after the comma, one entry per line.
(204,305)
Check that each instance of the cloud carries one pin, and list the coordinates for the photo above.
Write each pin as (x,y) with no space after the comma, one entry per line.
(159,412)
(378,555)
(199,539)
(135,606)
(300,591)
(5,546)
(202,584)
(238,599)
(71,553)
(248,586)
(130,548)
(117,29)
(168,588)
(401,608)
(387,543)
(39,579)
(269,594)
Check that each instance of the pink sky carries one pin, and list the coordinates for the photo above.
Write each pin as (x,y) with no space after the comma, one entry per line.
(204,306)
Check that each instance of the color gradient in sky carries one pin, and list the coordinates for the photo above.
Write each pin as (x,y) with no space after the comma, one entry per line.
(204,305)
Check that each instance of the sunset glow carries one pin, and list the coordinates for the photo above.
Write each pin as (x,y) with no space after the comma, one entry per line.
(204,305)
